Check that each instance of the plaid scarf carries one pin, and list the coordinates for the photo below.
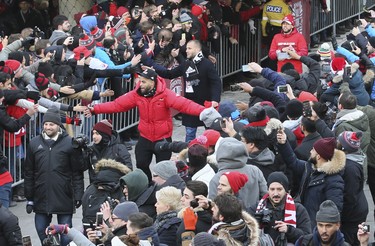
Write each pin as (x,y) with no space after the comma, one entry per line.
(289,210)
(162,218)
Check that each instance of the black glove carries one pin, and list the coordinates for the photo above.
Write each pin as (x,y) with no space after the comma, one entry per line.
(33,95)
(162,146)
(78,203)
(29,207)
(334,43)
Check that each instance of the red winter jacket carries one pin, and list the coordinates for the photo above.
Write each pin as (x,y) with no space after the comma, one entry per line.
(282,40)
(155,116)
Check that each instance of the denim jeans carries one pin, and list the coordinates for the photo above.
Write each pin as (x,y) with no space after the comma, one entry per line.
(5,191)
(191,133)
(42,221)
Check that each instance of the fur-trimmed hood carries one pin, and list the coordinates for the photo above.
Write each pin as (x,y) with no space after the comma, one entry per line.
(109,163)
(252,225)
(336,165)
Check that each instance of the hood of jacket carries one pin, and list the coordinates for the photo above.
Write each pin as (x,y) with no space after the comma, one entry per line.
(334,166)
(136,182)
(108,172)
(357,157)
(231,154)
(229,236)
(356,118)
(264,158)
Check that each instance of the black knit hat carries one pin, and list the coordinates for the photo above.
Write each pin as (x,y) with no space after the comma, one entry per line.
(52,115)
(294,109)
(278,177)
(45,68)
(328,212)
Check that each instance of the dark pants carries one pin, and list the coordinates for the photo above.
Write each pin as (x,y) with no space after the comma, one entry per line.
(42,221)
(350,229)
(144,151)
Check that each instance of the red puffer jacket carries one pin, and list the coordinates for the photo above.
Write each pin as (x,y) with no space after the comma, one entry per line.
(155,116)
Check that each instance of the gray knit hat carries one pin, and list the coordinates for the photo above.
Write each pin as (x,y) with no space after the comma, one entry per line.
(328,212)
(208,116)
(231,151)
(164,169)
(123,210)
(52,115)
(204,238)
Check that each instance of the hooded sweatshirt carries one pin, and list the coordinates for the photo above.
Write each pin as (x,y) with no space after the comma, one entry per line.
(137,183)
(232,156)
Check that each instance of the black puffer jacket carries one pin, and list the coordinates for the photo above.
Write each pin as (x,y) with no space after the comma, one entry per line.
(10,231)
(115,150)
(53,175)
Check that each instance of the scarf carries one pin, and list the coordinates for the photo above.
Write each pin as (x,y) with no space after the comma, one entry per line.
(162,218)
(192,73)
(289,210)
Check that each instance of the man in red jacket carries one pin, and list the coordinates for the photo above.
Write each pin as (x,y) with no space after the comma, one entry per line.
(288,39)
(154,102)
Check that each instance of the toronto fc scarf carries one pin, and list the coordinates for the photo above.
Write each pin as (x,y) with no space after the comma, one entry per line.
(289,210)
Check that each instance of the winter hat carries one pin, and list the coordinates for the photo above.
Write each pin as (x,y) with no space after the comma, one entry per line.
(255,113)
(122,10)
(52,115)
(196,10)
(123,210)
(306,96)
(14,65)
(97,33)
(202,140)
(208,116)
(46,69)
(88,22)
(372,41)
(104,127)
(81,50)
(164,169)
(120,35)
(185,18)
(278,177)
(182,170)
(294,109)
(149,74)
(324,51)
(207,239)
(350,141)
(230,150)
(41,81)
(337,65)
(236,180)
(212,136)
(328,212)
(288,19)
(325,147)
(87,41)
(7,70)
(226,108)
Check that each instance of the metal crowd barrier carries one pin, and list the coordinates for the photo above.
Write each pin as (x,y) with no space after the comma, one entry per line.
(341,10)
(15,144)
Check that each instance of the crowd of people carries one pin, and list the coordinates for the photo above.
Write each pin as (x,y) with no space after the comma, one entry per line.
(287,167)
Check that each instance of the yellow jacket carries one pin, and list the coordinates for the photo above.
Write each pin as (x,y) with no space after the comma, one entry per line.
(274,12)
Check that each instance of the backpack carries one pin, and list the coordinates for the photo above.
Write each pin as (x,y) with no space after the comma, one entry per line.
(93,198)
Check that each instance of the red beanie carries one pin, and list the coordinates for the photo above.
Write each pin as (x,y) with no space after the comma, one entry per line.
(325,147)
(6,69)
(212,136)
(202,140)
(98,34)
(337,65)
(87,41)
(104,126)
(14,65)
(288,19)
(236,180)
(41,81)
(306,96)
(196,10)
(122,10)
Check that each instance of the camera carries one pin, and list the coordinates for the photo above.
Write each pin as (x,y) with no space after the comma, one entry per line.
(80,141)
(194,203)
(235,87)
(37,33)
(263,217)
(365,228)
(51,240)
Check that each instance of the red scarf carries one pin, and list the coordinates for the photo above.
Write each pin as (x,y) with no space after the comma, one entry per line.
(289,210)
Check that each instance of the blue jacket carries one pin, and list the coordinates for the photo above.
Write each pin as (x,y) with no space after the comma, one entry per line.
(316,185)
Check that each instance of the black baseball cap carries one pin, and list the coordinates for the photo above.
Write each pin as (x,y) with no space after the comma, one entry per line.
(148,74)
